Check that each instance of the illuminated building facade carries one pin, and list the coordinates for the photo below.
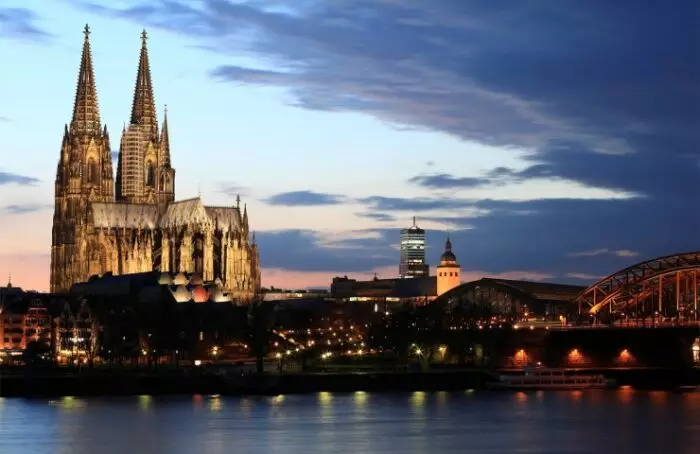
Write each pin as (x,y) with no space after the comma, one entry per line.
(412,248)
(76,334)
(417,291)
(23,320)
(448,271)
(104,225)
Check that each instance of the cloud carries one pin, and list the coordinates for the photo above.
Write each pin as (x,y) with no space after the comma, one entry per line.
(377,216)
(540,234)
(595,252)
(13,178)
(20,23)
(496,176)
(445,181)
(26,208)
(488,74)
(233,190)
(590,278)
(381,203)
(304,198)
(5,119)
(316,251)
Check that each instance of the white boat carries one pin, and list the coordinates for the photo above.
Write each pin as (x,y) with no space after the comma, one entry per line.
(551,379)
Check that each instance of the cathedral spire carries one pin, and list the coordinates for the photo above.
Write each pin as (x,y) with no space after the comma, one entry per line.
(245,216)
(143,110)
(86,112)
(165,141)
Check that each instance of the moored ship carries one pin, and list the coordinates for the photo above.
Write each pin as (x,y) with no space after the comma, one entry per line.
(551,379)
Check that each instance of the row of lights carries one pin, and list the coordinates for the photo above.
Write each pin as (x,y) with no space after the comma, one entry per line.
(576,356)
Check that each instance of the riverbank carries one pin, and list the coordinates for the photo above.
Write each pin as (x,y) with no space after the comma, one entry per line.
(133,383)
(116,383)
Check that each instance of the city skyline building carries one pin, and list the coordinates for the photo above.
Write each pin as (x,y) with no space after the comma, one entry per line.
(448,271)
(104,225)
(412,247)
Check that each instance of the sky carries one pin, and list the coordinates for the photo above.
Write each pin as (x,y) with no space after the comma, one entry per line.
(553,141)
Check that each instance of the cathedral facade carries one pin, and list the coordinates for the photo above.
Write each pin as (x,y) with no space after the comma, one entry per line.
(133,224)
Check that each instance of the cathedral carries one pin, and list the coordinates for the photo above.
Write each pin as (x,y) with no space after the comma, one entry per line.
(131,223)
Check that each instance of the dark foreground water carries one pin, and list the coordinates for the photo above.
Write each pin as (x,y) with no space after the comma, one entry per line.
(621,421)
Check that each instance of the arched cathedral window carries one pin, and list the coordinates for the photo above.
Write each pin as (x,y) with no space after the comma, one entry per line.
(150,174)
(92,171)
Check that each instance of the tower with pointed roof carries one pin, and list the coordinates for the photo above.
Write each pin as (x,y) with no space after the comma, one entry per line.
(448,271)
(134,224)
(165,184)
(83,175)
(144,173)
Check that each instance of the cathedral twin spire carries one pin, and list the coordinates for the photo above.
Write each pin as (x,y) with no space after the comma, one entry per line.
(86,123)
(143,109)
(86,112)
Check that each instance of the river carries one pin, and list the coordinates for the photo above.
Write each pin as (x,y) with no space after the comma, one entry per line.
(617,421)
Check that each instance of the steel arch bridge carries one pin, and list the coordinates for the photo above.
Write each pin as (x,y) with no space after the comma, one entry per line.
(661,286)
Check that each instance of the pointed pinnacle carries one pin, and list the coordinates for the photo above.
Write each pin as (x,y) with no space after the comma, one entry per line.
(143,111)
(86,115)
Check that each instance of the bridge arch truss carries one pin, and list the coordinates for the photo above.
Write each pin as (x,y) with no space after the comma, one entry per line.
(666,286)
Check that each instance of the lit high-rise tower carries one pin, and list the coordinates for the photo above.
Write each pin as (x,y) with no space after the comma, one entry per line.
(412,262)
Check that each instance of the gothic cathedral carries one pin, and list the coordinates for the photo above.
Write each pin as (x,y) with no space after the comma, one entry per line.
(134,224)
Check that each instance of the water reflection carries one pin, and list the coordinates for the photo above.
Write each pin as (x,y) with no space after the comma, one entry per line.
(246,406)
(360,399)
(658,397)
(624,394)
(215,403)
(325,398)
(197,400)
(441,397)
(68,403)
(145,402)
(361,423)
(521,398)
(278,400)
(418,400)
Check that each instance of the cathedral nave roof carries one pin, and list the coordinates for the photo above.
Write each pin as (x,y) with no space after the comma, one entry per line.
(185,212)
(124,215)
